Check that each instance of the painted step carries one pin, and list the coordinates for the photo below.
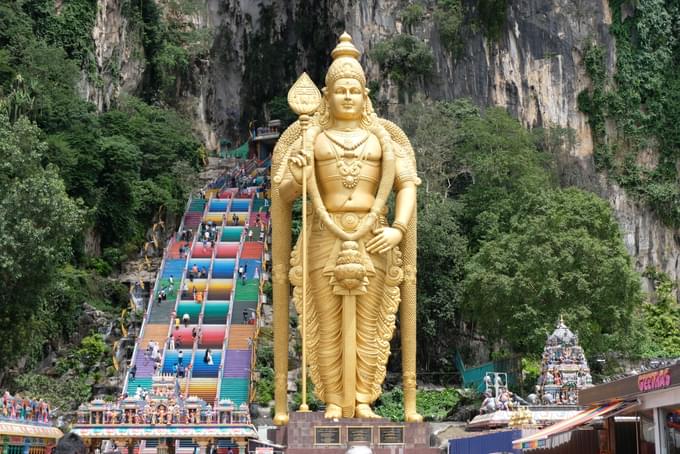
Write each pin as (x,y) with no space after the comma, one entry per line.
(215,312)
(240,205)
(249,291)
(227,250)
(223,268)
(237,364)
(158,333)
(239,335)
(235,389)
(139,382)
(231,233)
(212,336)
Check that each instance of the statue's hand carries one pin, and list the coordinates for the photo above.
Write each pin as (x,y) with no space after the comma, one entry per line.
(297,161)
(386,238)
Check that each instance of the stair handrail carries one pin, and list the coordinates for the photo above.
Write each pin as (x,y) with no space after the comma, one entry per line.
(256,335)
(178,297)
(189,371)
(145,320)
(186,210)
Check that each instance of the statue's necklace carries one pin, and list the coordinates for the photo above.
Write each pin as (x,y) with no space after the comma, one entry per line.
(349,169)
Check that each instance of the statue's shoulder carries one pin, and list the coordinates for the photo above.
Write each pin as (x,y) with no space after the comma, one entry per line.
(282,149)
(404,148)
(403,151)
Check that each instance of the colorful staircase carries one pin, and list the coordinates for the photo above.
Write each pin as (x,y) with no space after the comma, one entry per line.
(214,302)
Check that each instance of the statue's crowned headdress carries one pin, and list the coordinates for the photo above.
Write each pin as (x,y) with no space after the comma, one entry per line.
(345,62)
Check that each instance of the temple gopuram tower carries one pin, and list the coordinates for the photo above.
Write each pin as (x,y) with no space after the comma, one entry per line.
(564,369)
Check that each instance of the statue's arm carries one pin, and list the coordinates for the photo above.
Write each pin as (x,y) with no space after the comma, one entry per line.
(405,203)
(405,186)
(291,184)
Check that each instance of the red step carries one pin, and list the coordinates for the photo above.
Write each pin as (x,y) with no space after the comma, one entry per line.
(252,250)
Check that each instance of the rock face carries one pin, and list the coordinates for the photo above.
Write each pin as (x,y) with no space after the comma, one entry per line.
(649,243)
(119,56)
(534,69)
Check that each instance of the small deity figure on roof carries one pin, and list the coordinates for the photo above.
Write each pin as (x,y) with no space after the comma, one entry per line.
(549,378)
(558,378)
(162,414)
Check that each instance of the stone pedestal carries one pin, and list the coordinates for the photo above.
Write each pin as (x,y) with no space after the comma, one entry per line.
(308,433)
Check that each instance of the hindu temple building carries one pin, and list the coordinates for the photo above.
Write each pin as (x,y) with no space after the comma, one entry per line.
(564,369)
(26,426)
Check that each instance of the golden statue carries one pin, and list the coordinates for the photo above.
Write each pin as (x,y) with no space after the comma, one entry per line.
(357,269)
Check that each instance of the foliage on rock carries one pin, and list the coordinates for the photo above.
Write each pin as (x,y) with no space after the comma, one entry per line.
(448,16)
(642,104)
(404,58)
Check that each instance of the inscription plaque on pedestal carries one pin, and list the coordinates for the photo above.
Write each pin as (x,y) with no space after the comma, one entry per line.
(327,435)
(360,434)
(391,435)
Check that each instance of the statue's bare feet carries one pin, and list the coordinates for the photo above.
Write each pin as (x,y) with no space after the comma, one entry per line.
(333,412)
(413,417)
(364,411)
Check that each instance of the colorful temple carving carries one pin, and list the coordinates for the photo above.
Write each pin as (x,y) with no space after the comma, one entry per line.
(564,369)
(26,426)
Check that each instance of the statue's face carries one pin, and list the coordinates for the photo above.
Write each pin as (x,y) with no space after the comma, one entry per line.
(346,99)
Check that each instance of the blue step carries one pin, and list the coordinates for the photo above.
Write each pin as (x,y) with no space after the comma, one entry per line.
(252,264)
(171,359)
(240,205)
(204,370)
(218,205)
(174,268)
(223,268)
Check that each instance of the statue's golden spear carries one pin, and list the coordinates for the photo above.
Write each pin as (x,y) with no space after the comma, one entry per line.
(304,99)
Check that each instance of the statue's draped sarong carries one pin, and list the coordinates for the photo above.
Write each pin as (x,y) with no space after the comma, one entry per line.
(375,310)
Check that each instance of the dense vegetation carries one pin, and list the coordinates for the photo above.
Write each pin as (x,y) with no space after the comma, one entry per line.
(404,58)
(503,251)
(77,181)
(642,103)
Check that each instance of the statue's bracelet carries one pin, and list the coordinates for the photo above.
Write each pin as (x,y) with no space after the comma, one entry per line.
(399,226)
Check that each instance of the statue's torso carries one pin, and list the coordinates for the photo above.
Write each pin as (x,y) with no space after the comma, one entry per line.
(361,166)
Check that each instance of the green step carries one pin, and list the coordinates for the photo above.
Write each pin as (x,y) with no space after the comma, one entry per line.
(189,307)
(216,310)
(163,284)
(231,233)
(138,382)
(235,389)
(247,292)
(197,205)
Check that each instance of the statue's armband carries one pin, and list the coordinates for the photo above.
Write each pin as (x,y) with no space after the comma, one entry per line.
(404,172)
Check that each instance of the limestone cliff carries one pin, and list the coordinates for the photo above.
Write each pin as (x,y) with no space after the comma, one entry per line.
(534,68)
(118,55)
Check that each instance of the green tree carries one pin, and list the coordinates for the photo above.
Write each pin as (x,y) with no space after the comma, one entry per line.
(448,16)
(561,254)
(434,131)
(404,58)
(662,319)
(412,15)
(37,223)
(442,252)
